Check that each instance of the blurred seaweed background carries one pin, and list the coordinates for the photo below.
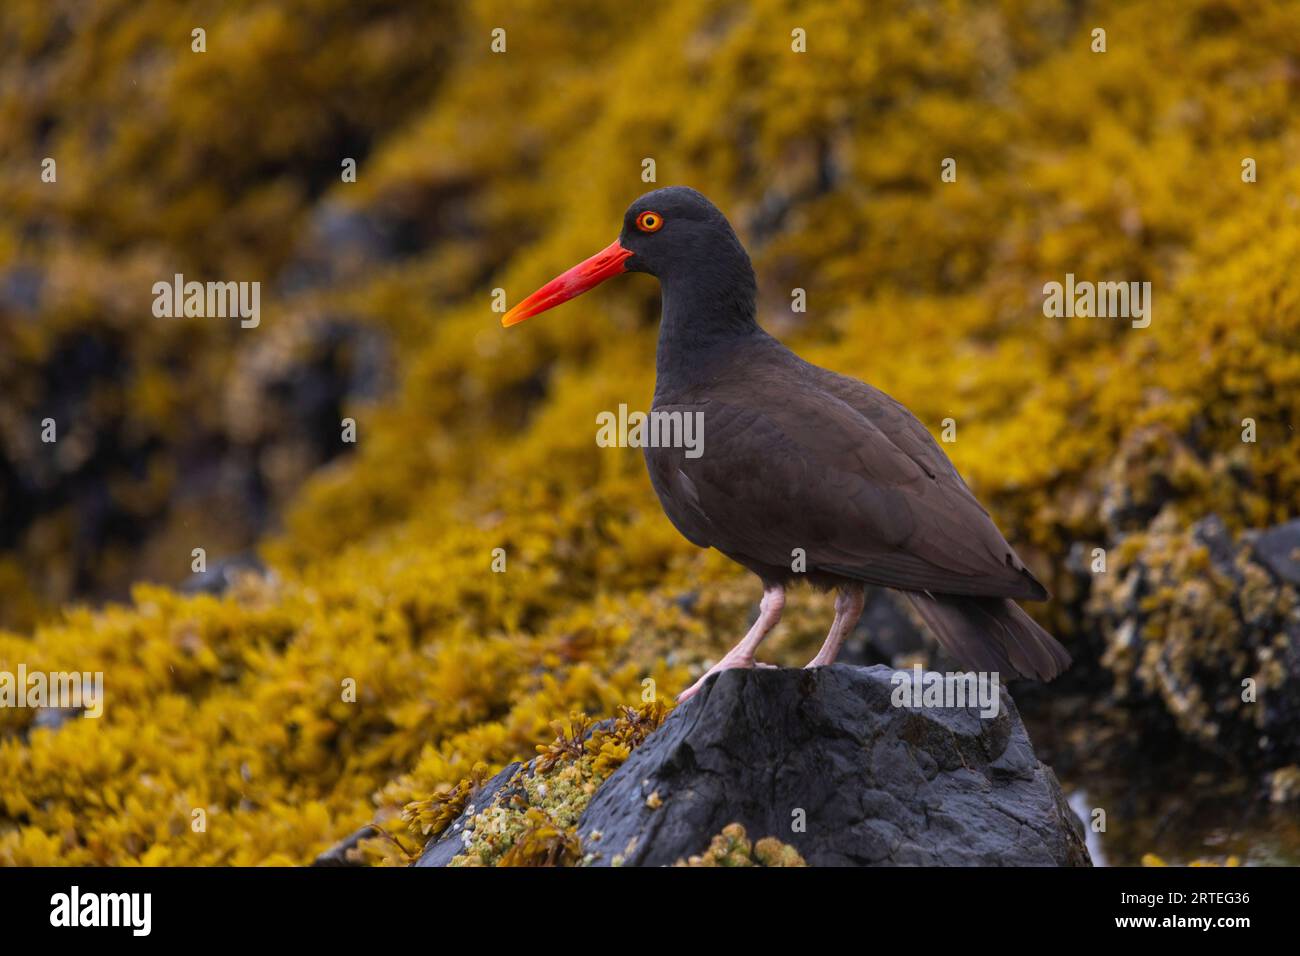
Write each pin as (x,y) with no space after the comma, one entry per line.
(331,561)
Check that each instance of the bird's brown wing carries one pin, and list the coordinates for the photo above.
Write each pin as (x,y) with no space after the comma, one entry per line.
(893,419)
(785,468)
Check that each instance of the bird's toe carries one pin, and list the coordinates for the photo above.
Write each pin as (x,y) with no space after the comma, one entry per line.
(728,663)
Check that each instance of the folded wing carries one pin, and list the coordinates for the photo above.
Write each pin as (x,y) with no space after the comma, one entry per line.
(865,492)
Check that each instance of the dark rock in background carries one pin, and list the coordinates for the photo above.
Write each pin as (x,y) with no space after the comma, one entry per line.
(884,633)
(878,784)
(1193,616)
(1278,549)
(21,289)
(223,573)
(119,499)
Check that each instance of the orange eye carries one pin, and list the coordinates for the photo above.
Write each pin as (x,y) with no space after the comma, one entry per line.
(649,221)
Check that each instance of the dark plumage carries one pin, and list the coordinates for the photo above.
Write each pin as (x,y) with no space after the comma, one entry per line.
(798,457)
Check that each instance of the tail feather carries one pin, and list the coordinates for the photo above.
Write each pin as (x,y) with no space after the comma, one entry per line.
(993,634)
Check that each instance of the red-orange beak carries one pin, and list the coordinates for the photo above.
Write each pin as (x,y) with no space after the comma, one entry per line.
(585,275)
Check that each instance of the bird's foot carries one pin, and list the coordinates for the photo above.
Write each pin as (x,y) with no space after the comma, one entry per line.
(727,663)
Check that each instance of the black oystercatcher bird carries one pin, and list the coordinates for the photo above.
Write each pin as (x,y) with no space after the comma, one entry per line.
(798,460)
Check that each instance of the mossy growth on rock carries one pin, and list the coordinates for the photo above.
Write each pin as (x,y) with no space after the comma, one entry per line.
(732,847)
(1194,621)
(532,821)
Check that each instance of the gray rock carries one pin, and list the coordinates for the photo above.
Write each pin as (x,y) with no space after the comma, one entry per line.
(22,289)
(222,573)
(877,784)
(1189,652)
(1278,549)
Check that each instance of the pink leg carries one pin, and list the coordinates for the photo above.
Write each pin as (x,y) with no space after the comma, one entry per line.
(742,655)
(848,608)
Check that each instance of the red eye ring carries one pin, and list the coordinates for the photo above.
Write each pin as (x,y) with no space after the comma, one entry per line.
(649,221)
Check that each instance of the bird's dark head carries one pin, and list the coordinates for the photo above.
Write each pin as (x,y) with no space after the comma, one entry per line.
(675,231)
(674,234)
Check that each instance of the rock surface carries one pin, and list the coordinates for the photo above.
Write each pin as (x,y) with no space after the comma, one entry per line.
(877,784)
(1192,616)
(1279,549)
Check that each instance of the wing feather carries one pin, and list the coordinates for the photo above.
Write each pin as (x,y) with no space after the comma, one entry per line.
(867,496)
